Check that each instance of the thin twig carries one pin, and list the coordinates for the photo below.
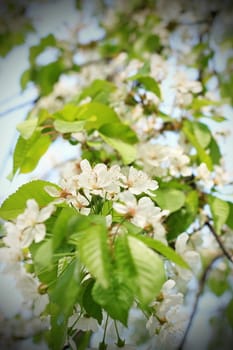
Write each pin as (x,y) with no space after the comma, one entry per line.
(19,106)
(221,245)
(199,292)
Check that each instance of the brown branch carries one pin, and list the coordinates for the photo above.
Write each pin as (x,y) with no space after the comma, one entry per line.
(220,243)
(199,293)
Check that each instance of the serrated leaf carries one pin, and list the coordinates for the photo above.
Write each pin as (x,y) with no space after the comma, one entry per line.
(27,127)
(63,126)
(117,299)
(127,151)
(169,198)
(63,295)
(166,251)
(16,202)
(60,228)
(28,152)
(94,252)
(220,210)
(149,268)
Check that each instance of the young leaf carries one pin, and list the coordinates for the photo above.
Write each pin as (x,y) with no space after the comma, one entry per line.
(27,127)
(94,252)
(149,269)
(60,228)
(116,299)
(99,91)
(215,153)
(166,251)
(44,264)
(63,295)
(63,126)
(220,211)
(202,133)
(16,202)
(188,130)
(180,220)
(28,152)
(169,198)
(148,83)
(119,131)
(127,151)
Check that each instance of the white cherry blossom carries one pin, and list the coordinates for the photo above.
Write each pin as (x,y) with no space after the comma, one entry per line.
(31,222)
(137,182)
(100,180)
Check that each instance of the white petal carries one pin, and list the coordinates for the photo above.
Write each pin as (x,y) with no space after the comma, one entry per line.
(45,213)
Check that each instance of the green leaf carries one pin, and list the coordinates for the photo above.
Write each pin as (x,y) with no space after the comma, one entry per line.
(92,308)
(27,127)
(148,83)
(63,126)
(218,118)
(180,220)
(188,130)
(119,131)
(200,102)
(46,76)
(63,296)
(25,78)
(220,210)
(229,221)
(149,269)
(202,133)
(16,202)
(98,90)
(60,228)
(128,152)
(169,198)
(117,299)
(44,264)
(28,152)
(166,251)
(48,41)
(215,153)
(93,248)
(229,313)
(95,114)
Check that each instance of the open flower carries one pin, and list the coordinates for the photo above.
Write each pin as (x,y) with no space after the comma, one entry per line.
(137,182)
(100,180)
(31,222)
(142,213)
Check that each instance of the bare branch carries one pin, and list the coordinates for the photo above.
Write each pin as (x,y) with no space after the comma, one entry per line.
(220,243)
(199,293)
